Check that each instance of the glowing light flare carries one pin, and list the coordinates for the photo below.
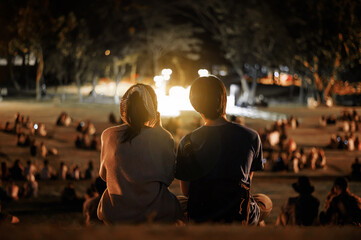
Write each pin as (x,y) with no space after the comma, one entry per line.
(159,82)
(158,78)
(178,100)
(203,73)
(222,73)
(107,52)
(167,72)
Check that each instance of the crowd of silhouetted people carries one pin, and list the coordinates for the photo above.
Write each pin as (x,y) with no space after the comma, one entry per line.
(348,123)
(342,207)
(21,179)
(282,153)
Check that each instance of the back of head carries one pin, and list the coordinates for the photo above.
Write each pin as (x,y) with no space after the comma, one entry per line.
(208,96)
(342,183)
(138,106)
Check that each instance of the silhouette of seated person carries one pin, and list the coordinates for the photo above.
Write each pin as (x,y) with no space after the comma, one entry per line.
(90,206)
(321,161)
(357,144)
(3,194)
(293,121)
(89,128)
(345,115)
(331,120)
(5,173)
(17,171)
(27,123)
(63,120)
(356,170)
(279,165)
(112,119)
(23,140)
(63,171)
(80,126)
(95,143)
(342,207)
(13,191)
(6,218)
(89,172)
(82,141)
(75,173)
(31,187)
(46,172)
(78,141)
(300,210)
(355,116)
(294,161)
(40,129)
(69,196)
(350,142)
(345,126)
(30,169)
(333,144)
(341,142)
(8,128)
(33,148)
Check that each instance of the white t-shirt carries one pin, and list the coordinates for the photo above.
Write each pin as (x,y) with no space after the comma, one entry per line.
(138,175)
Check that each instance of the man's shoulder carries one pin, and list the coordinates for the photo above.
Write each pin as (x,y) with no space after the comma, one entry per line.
(241,133)
(244,130)
(230,129)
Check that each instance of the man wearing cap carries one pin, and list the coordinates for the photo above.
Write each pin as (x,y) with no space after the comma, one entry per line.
(300,210)
(215,162)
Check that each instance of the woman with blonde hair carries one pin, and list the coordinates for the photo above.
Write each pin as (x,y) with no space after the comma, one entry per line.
(137,164)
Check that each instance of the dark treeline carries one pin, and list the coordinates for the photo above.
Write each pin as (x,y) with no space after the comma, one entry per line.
(80,41)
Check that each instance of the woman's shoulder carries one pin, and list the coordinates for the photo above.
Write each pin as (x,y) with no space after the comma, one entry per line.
(113,130)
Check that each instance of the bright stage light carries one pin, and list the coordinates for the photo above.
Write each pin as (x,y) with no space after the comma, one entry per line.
(171,105)
(178,100)
(166,77)
(158,78)
(203,73)
(167,71)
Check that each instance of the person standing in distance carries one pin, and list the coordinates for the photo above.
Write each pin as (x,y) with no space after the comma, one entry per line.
(215,163)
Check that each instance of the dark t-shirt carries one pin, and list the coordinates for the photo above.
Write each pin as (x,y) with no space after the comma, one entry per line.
(216,159)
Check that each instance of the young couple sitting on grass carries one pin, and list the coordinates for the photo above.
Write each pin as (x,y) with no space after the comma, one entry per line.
(214,163)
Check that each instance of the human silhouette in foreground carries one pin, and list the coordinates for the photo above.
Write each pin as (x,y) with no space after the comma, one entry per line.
(300,210)
(137,163)
(215,162)
(342,207)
